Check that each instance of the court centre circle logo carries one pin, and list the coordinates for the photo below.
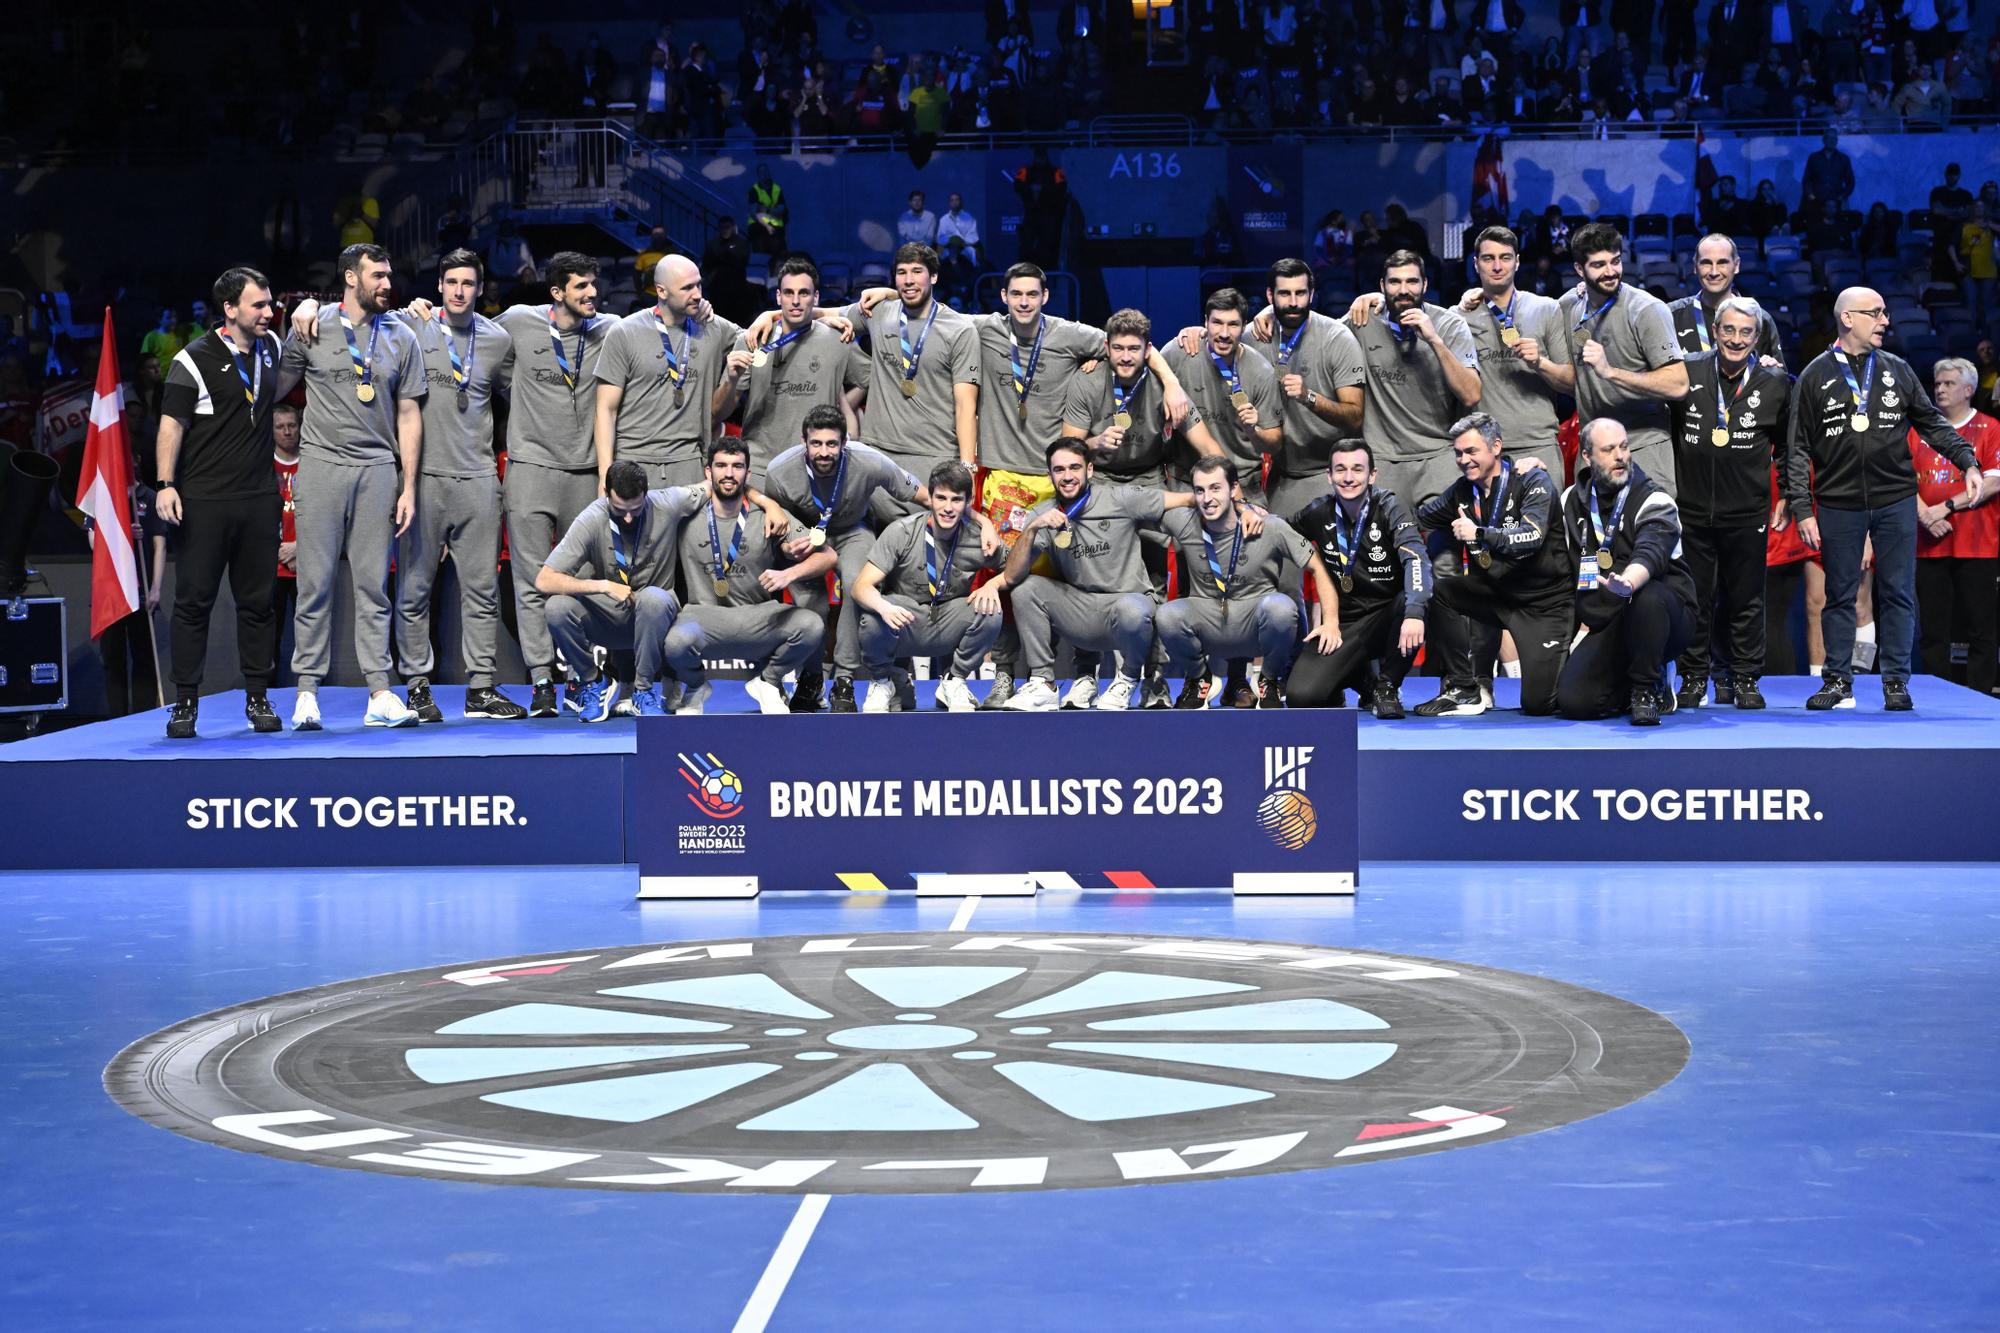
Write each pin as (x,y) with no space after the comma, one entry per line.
(899,1064)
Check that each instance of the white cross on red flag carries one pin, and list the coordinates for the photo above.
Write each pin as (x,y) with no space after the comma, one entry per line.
(104,492)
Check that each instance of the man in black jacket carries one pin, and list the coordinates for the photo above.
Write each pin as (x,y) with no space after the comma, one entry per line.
(1727,431)
(1848,478)
(1515,571)
(1634,596)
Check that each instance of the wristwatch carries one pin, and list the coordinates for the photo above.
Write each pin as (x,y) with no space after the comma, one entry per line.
(1312,398)
(164,486)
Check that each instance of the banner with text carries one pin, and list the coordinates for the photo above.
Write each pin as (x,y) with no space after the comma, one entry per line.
(1145,799)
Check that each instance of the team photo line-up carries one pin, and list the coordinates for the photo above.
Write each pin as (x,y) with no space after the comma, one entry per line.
(1329,497)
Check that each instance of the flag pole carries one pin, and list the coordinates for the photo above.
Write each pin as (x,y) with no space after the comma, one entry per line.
(141,541)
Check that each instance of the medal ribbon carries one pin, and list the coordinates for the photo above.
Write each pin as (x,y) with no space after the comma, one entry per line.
(365,365)
(1593,316)
(1499,499)
(253,375)
(1071,511)
(715,556)
(461,373)
(939,579)
(912,355)
(826,506)
(677,366)
(569,372)
(792,337)
(1859,391)
(1228,373)
(1504,318)
(1119,397)
(1025,379)
(1348,542)
(1722,404)
(1286,346)
(1603,531)
(620,557)
(1222,581)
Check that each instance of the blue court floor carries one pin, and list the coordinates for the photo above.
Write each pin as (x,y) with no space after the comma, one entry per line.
(1827,1159)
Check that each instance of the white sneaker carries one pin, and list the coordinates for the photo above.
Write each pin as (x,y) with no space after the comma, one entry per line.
(881,693)
(386,710)
(694,700)
(1081,691)
(1117,696)
(305,713)
(954,696)
(1486,694)
(768,697)
(625,707)
(1037,696)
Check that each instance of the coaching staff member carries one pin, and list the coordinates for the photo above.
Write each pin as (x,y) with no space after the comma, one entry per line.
(216,483)
(1848,477)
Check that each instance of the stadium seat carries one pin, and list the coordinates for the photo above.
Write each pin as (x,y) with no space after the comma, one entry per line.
(1684,224)
(1937,294)
(1652,249)
(1779,248)
(1650,224)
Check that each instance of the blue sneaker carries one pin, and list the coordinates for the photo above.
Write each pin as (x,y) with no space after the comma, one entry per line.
(597,698)
(647,702)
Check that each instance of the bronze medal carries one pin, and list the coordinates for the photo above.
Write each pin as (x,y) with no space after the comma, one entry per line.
(1021,411)
(678,397)
(464,401)
(1510,336)
(722,588)
(760,357)
(1063,537)
(1579,342)
(1347,583)
(816,538)
(1239,400)
(1858,422)
(365,391)
(1719,437)
(908,386)
(1485,559)
(1122,420)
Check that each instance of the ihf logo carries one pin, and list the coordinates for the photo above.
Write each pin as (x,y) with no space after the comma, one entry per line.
(1286,812)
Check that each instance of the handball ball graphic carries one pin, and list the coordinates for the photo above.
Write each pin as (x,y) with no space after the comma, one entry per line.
(1288,817)
(722,789)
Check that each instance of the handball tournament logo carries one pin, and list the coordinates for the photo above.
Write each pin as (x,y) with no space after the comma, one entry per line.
(1286,812)
(718,792)
(898,1063)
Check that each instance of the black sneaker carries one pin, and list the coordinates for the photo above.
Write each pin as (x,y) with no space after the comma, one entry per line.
(1194,692)
(487,702)
(572,696)
(1386,700)
(840,699)
(1270,693)
(906,693)
(1693,692)
(1896,696)
(1645,707)
(1454,701)
(1834,692)
(806,694)
(180,722)
(1236,693)
(423,705)
(1745,693)
(1725,690)
(542,703)
(258,709)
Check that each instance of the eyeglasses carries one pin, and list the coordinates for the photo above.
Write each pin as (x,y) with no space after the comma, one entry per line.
(1880,313)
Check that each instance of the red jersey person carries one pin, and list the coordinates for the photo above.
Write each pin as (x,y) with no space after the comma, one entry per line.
(1958,547)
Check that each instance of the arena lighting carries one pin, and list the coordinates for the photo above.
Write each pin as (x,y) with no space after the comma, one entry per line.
(1140,8)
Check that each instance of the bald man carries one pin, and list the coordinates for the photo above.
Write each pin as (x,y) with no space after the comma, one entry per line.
(1849,479)
(1716,266)
(659,380)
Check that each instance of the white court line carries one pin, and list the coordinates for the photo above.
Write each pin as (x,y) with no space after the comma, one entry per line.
(783,1260)
(792,1244)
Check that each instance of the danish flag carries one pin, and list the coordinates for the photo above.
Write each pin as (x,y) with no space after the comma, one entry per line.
(104,492)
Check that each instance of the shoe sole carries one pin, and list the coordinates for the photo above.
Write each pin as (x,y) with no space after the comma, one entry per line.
(306,726)
(500,717)
(387,723)
(1830,708)
(1462,710)
(263,731)
(187,735)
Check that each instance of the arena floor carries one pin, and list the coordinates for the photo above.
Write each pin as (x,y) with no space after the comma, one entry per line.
(1826,1158)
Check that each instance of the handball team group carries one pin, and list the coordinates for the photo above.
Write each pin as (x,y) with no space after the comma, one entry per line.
(1273,506)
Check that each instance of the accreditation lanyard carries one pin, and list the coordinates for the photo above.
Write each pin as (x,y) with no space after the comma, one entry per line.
(1346,541)
(677,366)
(828,505)
(1604,531)
(1859,391)
(722,564)
(1499,500)
(1222,580)
(248,369)
(1287,346)
(1024,378)
(939,576)
(913,354)
(364,366)
(569,373)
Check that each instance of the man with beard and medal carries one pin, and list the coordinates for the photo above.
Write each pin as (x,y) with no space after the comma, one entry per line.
(916,598)
(1098,597)
(467,359)
(738,569)
(1729,431)
(1321,379)
(1849,480)
(1716,268)
(610,584)
(1236,392)
(363,424)
(1634,595)
(1517,572)
(660,377)
(1363,535)
(1628,361)
(804,365)
(831,487)
(1239,606)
